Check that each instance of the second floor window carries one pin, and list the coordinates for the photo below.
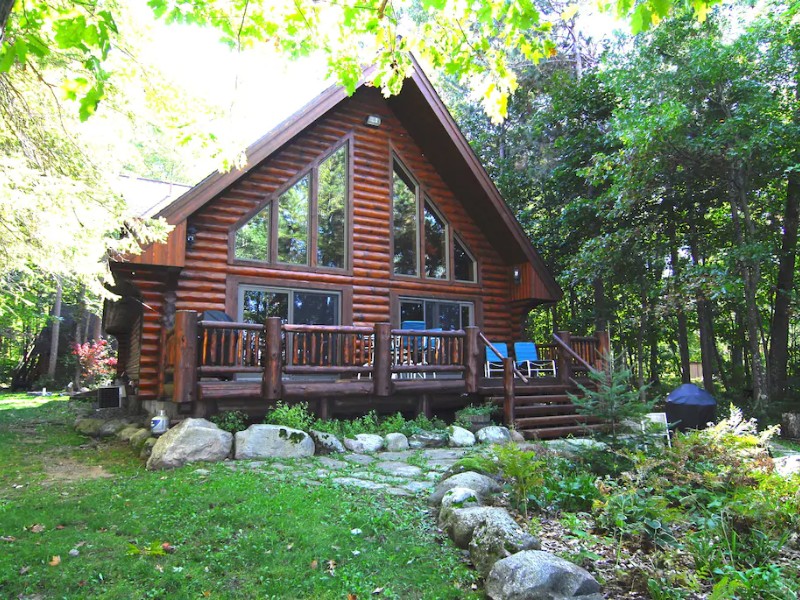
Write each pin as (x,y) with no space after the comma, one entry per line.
(306,224)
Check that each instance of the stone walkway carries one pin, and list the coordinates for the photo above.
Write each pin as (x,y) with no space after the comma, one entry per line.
(405,473)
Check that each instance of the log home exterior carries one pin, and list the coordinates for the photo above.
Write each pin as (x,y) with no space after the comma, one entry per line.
(356,212)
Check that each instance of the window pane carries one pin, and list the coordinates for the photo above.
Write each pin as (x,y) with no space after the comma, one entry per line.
(257,305)
(464,266)
(411,310)
(404,198)
(466,315)
(314,308)
(293,224)
(252,240)
(330,210)
(442,315)
(435,245)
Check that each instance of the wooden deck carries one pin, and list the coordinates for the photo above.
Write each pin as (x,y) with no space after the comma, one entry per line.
(345,371)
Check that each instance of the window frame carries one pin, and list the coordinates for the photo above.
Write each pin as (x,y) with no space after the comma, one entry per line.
(273,200)
(290,291)
(461,301)
(470,254)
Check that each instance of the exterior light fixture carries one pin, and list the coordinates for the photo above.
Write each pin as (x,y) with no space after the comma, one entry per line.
(191,235)
(517,275)
(372,121)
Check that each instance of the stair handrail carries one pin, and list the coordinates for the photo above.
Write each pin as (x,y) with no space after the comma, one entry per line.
(491,347)
(573,354)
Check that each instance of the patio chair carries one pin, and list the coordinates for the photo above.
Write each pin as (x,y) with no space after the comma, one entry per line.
(657,425)
(410,350)
(528,361)
(494,363)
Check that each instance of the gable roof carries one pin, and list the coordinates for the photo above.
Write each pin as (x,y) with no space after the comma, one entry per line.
(424,115)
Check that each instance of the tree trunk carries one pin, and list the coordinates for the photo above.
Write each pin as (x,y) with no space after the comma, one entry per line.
(600,309)
(55,330)
(743,232)
(80,309)
(779,328)
(680,315)
(704,320)
(5,12)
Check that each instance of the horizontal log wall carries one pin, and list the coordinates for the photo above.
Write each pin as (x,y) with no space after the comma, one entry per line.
(208,279)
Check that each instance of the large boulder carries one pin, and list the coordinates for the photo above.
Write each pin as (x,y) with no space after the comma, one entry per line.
(89,426)
(455,498)
(461,523)
(786,466)
(192,440)
(112,427)
(396,442)
(273,441)
(428,439)
(496,539)
(364,443)
(326,443)
(460,437)
(494,435)
(536,575)
(484,486)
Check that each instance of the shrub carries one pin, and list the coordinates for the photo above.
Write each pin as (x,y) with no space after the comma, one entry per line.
(97,364)
(230,420)
(296,416)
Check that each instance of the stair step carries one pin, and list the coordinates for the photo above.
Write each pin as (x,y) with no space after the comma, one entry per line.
(549,399)
(557,432)
(544,410)
(537,422)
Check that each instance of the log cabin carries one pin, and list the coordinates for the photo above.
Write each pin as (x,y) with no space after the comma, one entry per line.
(363,260)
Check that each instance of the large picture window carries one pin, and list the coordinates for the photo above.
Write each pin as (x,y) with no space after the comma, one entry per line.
(448,315)
(422,242)
(306,224)
(298,307)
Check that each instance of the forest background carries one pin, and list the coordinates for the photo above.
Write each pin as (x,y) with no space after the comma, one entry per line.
(657,173)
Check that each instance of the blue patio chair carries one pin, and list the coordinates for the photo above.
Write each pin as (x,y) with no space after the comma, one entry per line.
(410,349)
(494,363)
(528,361)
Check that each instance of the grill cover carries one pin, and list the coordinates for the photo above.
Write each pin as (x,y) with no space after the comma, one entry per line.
(690,407)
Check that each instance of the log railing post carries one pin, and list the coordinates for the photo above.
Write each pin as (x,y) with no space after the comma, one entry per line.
(472,360)
(382,362)
(564,359)
(603,348)
(271,384)
(185,374)
(508,391)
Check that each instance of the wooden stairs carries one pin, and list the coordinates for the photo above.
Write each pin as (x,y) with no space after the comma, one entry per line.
(546,412)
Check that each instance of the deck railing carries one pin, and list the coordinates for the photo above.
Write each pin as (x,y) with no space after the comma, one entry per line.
(378,360)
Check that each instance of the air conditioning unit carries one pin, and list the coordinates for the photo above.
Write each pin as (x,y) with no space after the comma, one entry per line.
(109,397)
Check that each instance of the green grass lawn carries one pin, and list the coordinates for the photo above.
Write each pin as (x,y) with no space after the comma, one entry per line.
(231,534)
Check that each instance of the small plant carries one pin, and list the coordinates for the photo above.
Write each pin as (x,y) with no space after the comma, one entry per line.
(468,415)
(296,416)
(230,420)
(614,401)
(524,471)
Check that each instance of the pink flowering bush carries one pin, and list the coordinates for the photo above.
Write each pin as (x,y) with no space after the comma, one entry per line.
(97,363)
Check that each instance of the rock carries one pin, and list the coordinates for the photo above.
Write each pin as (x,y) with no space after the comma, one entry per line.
(574,448)
(326,443)
(517,437)
(428,439)
(89,426)
(483,486)
(496,539)
(790,425)
(786,466)
(533,574)
(455,498)
(147,448)
(364,443)
(127,433)
(460,437)
(137,439)
(272,441)
(399,469)
(192,440)
(396,442)
(461,522)
(494,435)
(111,427)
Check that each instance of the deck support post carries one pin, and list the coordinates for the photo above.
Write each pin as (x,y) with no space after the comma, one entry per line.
(324,411)
(564,360)
(508,391)
(472,360)
(382,363)
(603,348)
(271,384)
(185,377)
